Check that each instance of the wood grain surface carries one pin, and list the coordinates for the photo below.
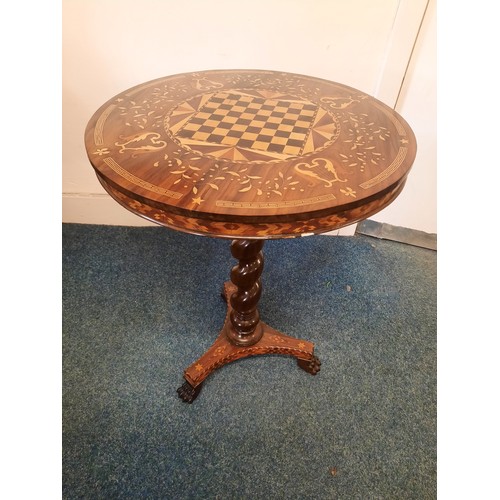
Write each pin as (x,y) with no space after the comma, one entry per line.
(249,154)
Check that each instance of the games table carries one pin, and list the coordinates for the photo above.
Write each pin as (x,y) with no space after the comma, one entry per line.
(249,155)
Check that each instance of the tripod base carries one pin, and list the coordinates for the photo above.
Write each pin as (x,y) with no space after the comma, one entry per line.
(223,351)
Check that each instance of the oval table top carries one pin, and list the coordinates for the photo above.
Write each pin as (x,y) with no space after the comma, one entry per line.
(249,153)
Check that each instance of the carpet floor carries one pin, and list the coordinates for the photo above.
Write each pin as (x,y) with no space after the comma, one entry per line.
(140,304)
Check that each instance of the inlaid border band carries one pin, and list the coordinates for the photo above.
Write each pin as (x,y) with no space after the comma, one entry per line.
(139,182)
(99,126)
(277,204)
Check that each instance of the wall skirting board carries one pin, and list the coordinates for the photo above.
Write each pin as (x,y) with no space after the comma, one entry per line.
(396,233)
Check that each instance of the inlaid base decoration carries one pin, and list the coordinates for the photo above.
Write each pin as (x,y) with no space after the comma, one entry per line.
(232,144)
(223,352)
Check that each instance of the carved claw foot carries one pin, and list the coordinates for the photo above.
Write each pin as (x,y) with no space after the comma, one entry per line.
(188,393)
(311,366)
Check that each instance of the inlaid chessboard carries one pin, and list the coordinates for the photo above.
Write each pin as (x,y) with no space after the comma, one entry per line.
(251,126)
(252,122)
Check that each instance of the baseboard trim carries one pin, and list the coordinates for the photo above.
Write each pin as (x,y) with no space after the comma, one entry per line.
(396,233)
(97,208)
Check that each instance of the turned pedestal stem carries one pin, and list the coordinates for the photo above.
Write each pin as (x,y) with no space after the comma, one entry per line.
(244,328)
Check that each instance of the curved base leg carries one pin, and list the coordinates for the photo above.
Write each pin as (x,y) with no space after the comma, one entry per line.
(223,351)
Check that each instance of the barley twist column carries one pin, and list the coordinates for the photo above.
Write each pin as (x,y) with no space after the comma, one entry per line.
(245,328)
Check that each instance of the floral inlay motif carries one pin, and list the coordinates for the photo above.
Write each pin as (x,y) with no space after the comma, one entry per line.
(102,152)
(348,192)
(363,137)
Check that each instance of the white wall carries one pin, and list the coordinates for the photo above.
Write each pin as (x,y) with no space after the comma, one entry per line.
(416,206)
(111,45)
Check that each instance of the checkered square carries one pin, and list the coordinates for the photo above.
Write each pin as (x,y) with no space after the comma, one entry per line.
(252,122)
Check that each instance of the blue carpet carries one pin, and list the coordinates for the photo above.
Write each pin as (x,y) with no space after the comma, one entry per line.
(141,304)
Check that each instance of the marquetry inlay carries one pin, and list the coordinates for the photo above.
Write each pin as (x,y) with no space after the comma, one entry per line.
(237,144)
